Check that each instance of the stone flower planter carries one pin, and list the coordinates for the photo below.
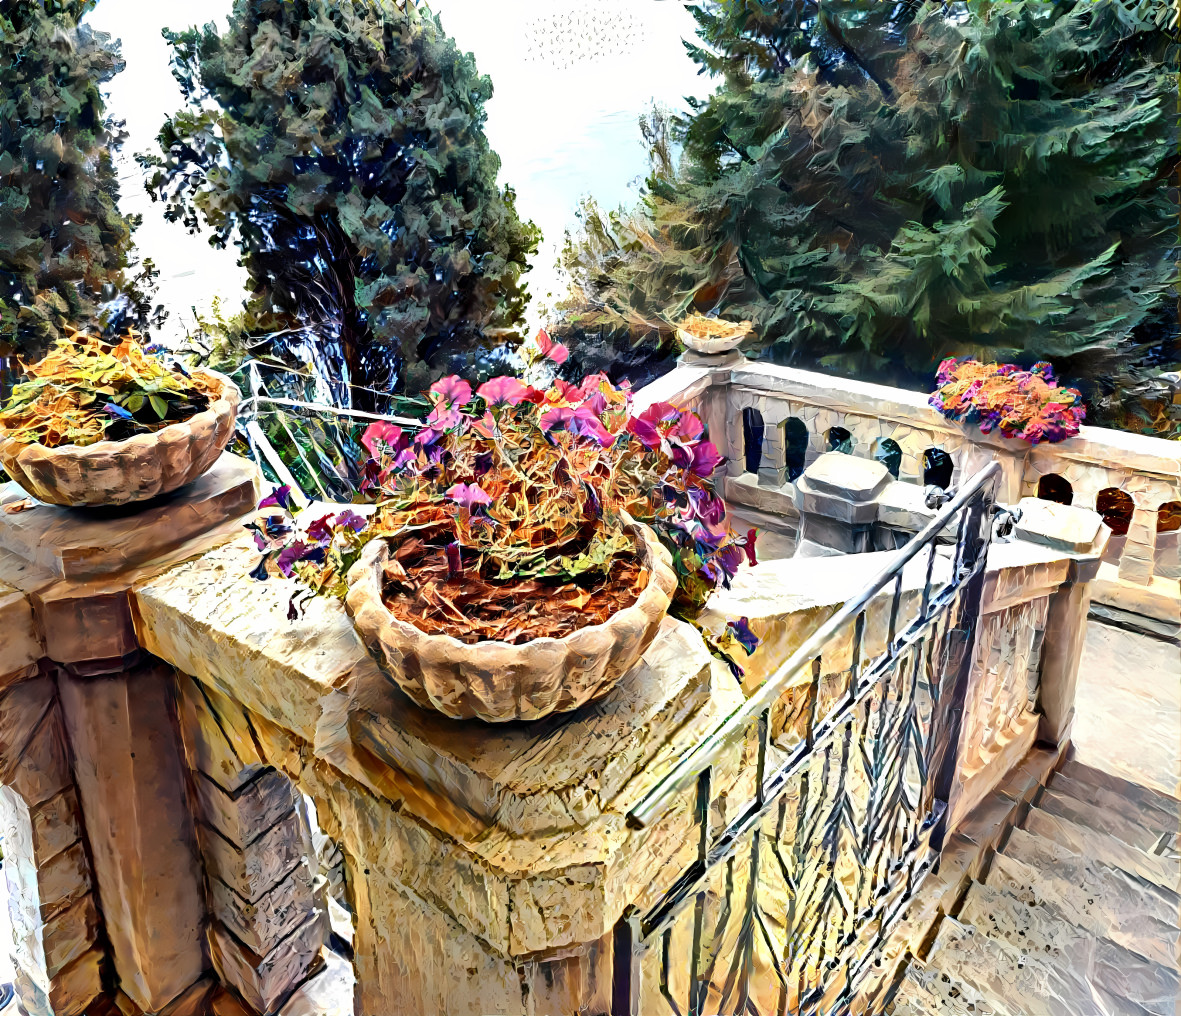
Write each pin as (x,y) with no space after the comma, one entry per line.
(714,344)
(110,473)
(498,681)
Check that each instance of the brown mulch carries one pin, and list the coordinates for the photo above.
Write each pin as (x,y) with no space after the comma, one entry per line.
(419,590)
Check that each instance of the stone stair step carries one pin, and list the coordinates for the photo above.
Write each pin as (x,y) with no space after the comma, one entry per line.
(1078,771)
(926,992)
(1030,926)
(1019,981)
(1108,903)
(1069,823)
(1165,822)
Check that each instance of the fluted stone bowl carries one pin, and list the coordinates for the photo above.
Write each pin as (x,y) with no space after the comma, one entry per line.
(713,345)
(144,466)
(499,681)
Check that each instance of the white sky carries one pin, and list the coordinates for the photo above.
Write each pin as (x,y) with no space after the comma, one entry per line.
(571,79)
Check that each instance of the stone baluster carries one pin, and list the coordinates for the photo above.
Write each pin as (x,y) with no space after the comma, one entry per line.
(268,923)
(1137,560)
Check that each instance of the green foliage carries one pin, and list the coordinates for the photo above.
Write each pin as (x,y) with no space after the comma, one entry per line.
(64,247)
(878,186)
(341,146)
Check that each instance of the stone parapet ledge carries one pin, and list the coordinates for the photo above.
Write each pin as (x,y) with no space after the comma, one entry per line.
(488,864)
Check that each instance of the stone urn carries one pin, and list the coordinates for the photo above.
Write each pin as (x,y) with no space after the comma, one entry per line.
(110,473)
(710,336)
(500,681)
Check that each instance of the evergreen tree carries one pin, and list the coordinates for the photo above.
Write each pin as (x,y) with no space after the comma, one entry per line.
(341,146)
(64,247)
(901,183)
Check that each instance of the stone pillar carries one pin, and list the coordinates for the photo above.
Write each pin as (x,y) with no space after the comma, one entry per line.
(487,864)
(836,498)
(131,783)
(1062,651)
(267,924)
(1080,533)
(65,578)
(1137,560)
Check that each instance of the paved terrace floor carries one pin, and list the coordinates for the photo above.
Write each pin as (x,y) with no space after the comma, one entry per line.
(1128,707)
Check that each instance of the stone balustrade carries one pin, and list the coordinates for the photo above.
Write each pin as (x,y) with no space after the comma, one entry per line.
(162,719)
(780,421)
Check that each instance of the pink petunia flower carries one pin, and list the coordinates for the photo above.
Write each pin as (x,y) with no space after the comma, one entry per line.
(468,495)
(503,390)
(452,391)
(383,434)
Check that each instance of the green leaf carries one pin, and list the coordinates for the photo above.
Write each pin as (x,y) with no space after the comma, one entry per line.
(134,404)
(159,405)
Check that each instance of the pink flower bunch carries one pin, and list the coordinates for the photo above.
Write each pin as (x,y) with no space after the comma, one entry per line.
(1025,404)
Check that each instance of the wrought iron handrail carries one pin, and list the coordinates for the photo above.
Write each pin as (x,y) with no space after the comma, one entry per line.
(686,771)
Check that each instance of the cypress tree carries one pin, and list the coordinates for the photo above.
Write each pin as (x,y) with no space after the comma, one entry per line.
(341,146)
(64,247)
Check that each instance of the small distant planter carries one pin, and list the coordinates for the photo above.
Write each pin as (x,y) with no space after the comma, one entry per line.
(711,336)
(499,681)
(111,473)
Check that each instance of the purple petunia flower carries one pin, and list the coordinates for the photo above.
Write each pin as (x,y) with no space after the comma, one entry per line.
(118,411)
(349,519)
(280,497)
(320,531)
(705,458)
(746,638)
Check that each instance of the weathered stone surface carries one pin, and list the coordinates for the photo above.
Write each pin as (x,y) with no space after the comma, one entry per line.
(131,785)
(264,981)
(44,768)
(278,912)
(559,773)
(83,623)
(56,824)
(849,476)
(413,960)
(328,993)
(51,912)
(71,993)
(524,895)
(212,621)
(218,736)
(1060,526)
(21,646)
(78,544)
(242,817)
(22,708)
(194,1001)
(252,870)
